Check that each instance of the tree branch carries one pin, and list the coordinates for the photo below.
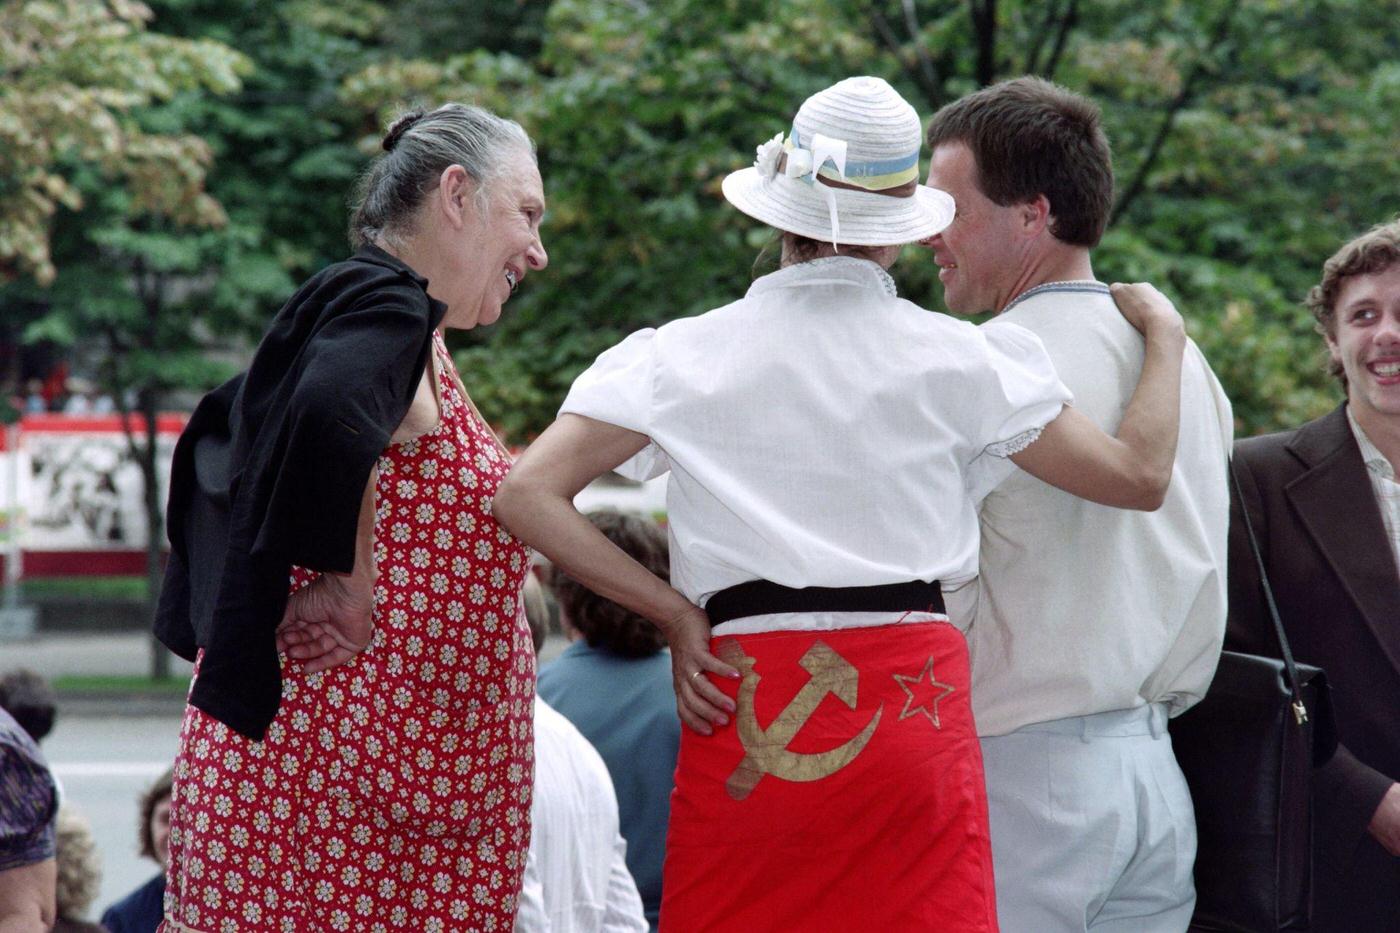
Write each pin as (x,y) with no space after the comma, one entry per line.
(1052,11)
(1068,22)
(933,92)
(756,83)
(114,347)
(1168,121)
(911,23)
(984,26)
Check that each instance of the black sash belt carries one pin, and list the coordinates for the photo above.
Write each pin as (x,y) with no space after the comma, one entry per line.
(760,597)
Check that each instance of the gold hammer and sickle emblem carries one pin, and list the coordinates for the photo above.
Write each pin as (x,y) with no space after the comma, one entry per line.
(765,750)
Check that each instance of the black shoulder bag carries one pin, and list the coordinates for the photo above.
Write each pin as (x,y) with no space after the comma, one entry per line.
(1248,750)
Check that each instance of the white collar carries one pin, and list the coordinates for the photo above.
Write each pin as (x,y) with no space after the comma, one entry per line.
(1371,455)
(1069,285)
(844,269)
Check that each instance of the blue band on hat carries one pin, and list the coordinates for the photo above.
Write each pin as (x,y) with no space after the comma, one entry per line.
(894,166)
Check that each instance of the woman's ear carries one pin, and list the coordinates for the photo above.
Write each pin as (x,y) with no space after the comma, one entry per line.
(456,196)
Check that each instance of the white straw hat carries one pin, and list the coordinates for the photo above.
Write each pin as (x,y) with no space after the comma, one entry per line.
(847,173)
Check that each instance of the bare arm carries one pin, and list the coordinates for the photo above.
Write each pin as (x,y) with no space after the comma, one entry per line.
(536,504)
(27,897)
(1133,469)
(330,621)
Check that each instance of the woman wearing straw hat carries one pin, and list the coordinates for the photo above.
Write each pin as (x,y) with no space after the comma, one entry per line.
(826,442)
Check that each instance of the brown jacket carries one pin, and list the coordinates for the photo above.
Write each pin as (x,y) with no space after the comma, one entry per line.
(1334,578)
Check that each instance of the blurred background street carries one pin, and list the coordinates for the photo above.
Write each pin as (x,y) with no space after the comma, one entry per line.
(104,762)
(109,744)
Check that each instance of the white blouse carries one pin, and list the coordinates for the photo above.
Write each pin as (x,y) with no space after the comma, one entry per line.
(822,431)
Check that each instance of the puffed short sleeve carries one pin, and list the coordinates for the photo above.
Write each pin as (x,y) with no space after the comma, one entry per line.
(619,388)
(1025,392)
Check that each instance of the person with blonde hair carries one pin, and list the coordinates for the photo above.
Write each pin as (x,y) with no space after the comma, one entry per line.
(79,873)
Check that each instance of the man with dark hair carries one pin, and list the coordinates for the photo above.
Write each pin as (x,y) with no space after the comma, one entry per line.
(1090,626)
(29,698)
(602,623)
(614,683)
(1324,502)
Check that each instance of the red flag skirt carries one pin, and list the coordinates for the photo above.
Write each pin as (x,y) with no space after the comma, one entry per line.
(847,793)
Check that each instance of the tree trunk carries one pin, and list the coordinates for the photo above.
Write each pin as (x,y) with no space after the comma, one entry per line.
(984,28)
(150,291)
(155,531)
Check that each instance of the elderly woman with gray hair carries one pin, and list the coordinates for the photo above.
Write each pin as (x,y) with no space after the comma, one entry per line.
(356,751)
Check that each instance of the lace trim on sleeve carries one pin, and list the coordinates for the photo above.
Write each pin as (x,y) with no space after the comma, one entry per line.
(1015,444)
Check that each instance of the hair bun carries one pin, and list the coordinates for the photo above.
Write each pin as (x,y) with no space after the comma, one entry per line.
(400,126)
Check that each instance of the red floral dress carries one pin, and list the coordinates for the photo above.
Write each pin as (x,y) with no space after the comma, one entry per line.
(391,792)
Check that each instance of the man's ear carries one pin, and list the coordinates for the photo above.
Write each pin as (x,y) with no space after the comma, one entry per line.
(1035,215)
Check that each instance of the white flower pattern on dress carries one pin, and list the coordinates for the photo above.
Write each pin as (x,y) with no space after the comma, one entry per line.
(392,792)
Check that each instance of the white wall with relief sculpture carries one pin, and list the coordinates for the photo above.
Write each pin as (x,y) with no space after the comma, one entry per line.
(80,506)
(76,505)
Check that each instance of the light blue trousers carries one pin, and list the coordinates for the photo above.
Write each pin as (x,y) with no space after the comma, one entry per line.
(1092,826)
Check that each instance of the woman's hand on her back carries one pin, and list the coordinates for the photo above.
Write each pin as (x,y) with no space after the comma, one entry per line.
(327,622)
(1147,309)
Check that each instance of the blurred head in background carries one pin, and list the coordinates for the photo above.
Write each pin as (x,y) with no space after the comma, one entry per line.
(601,622)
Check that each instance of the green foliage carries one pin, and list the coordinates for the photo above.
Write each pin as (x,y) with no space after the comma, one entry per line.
(1279,156)
(639,111)
(155,272)
(1252,138)
(157,290)
(73,72)
(128,686)
(132,589)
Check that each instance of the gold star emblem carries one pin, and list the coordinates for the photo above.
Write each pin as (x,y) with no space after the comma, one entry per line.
(923,688)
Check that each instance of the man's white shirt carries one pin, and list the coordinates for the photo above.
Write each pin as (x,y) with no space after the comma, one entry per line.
(1082,608)
(576,876)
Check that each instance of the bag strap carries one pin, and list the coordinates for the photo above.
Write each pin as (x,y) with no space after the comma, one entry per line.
(1300,711)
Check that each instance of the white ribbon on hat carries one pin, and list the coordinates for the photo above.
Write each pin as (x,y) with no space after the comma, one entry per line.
(806,163)
(825,149)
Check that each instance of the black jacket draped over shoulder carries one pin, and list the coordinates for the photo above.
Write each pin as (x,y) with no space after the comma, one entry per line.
(271,469)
